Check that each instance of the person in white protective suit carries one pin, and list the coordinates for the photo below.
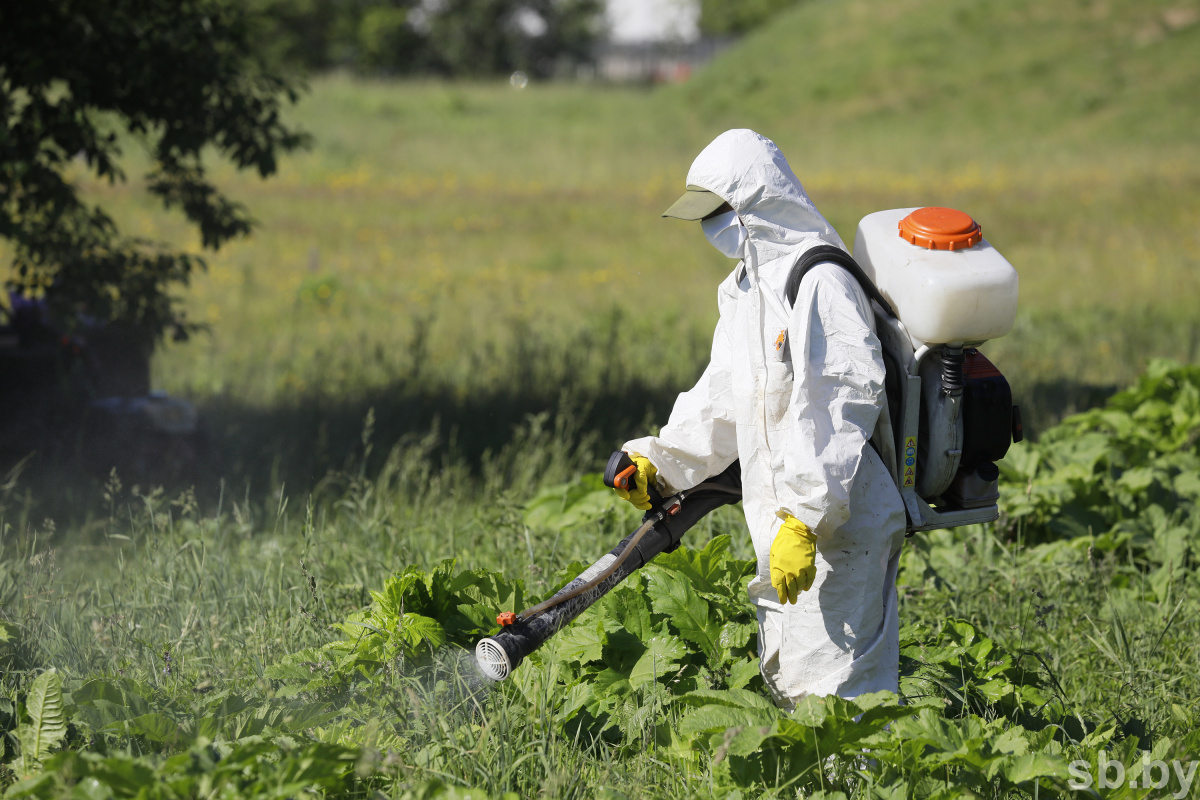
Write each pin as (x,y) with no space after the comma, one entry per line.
(794,393)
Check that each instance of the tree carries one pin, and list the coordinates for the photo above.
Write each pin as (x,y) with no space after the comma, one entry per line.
(181,76)
(447,37)
(483,37)
(735,17)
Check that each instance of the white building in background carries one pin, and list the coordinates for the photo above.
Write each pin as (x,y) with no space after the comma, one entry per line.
(652,41)
(640,21)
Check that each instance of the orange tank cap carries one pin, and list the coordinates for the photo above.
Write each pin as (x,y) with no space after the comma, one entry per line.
(506,618)
(939,228)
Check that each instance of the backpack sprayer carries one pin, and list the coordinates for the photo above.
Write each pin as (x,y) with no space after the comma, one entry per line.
(938,291)
(951,415)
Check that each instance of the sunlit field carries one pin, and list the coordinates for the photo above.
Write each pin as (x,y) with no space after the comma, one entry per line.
(439,240)
(463,297)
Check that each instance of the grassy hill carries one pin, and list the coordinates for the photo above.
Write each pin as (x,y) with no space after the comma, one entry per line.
(1015,77)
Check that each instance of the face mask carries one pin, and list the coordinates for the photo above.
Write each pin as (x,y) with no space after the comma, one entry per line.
(726,233)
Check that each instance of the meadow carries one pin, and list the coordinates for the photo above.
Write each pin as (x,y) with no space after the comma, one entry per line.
(463,298)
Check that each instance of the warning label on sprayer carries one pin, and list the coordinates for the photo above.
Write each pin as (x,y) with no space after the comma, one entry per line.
(595,569)
(910,462)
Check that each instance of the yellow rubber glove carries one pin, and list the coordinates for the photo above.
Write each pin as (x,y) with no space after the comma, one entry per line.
(646,474)
(793,559)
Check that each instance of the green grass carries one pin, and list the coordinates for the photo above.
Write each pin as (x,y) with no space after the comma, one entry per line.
(479,277)
(190,609)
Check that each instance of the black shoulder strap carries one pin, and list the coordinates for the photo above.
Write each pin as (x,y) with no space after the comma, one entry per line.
(834,255)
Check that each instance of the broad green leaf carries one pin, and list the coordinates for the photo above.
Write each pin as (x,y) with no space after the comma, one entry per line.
(356,627)
(1085,451)
(950,737)
(420,631)
(1032,696)
(1037,765)
(1138,479)
(686,611)
(611,682)
(576,698)
(811,710)
(565,575)
(483,617)
(749,739)
(1011,742)
(491,590)
(47,725)
(872,700)
(996,690)
(155,727)
(737,635)
(38,786)
(662,654)
(399,592)
(100,713)
(702,567)
(571,504)
(631,609)
(742,672)
(582,642)
(99,689)
(1187,484)
(718,718)
(733,698)
(622,650)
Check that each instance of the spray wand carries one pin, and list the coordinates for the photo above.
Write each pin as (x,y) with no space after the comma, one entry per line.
(661,530)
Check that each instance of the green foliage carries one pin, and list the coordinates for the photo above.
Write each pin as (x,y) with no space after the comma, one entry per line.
(153,721)
(458,37)
(47,724)
(725,17)
(9,642)
(314,33)
(489,37)
(667,661)
(1122,477)
(72,75)
(971,675)
(387,43)
(579,502)
(411,617)
(676,627)
(267,767)
(243,652)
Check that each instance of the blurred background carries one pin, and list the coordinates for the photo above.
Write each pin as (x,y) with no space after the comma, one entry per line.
(467,249)
(302,297)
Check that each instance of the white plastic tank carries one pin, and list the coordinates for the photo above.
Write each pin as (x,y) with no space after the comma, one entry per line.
(945,282)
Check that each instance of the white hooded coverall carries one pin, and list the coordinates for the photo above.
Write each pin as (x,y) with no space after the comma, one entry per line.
(799,416)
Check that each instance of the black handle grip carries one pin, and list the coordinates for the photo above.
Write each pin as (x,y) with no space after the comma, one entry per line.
(620,472)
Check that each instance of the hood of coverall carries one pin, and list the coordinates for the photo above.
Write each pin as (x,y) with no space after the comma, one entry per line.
(751,174)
